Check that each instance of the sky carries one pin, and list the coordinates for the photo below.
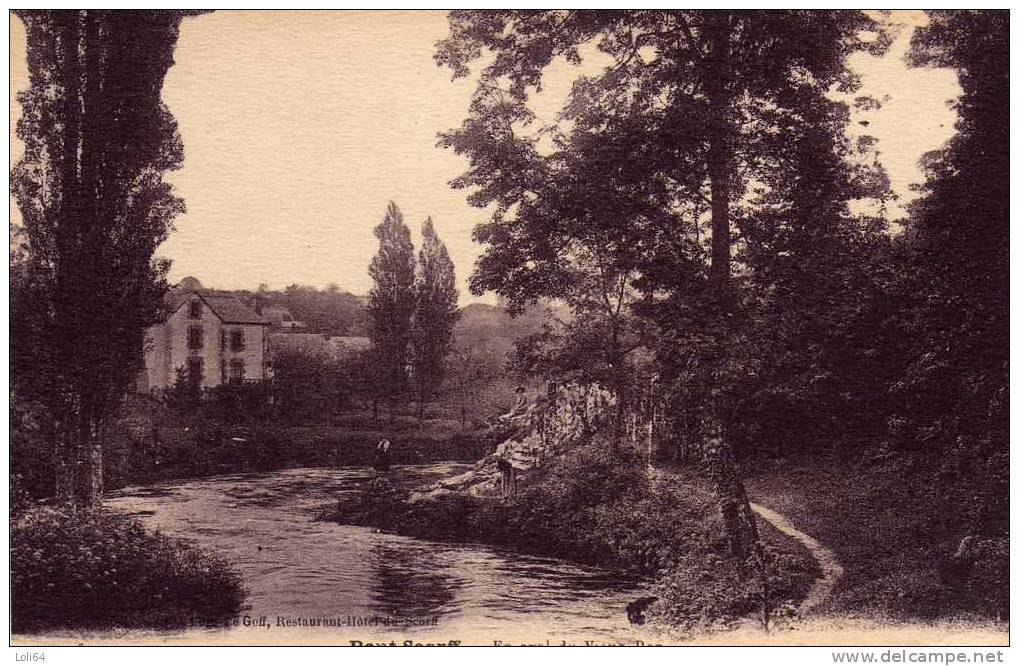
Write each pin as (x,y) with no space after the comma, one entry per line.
(300,127)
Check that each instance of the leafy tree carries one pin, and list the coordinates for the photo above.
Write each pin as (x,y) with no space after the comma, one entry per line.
(94,207)
(392,300)
(436,313)
(472,371)
(655,165)
(306,384)
(953,399)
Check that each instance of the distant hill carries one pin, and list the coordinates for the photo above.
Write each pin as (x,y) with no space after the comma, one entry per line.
(489,327)
(330,311)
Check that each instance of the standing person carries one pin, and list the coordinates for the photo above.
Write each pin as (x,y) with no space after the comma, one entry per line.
(509,477)
(382,456)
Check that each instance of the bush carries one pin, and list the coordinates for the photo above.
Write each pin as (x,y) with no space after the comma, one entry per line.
(71,570)
(31,447)
(20,500)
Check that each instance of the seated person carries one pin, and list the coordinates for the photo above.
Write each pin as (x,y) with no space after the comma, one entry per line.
(518,409)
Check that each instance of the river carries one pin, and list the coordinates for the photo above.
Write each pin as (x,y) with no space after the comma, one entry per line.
(378,587)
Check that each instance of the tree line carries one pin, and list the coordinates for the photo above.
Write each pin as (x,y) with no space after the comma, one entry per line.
(720,235)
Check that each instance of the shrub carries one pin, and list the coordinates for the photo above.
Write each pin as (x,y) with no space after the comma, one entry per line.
(31,449)
(21,501)
(72,570)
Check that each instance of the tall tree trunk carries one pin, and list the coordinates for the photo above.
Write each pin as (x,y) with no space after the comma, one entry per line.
(67,456)
(78,460)
(738,518)
(90,493)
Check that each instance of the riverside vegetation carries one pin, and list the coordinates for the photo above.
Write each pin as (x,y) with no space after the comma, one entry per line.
(596,504)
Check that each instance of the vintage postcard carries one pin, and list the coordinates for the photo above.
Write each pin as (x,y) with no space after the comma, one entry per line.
(510,327)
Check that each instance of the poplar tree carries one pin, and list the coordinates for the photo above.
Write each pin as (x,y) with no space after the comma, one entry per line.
(98,140)
(391,302)
(436,313)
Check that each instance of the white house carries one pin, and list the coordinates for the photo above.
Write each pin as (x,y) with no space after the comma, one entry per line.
(210,336)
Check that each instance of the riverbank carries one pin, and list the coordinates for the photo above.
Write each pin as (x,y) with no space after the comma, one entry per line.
(156,444)
(597,505)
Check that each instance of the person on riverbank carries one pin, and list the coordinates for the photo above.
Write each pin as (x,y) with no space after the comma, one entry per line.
(518,409)
(382,456)
(508,475)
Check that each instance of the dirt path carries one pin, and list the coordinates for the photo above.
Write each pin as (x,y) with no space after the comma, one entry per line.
(831,570)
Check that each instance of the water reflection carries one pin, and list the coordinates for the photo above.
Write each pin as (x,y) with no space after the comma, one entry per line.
(411,579)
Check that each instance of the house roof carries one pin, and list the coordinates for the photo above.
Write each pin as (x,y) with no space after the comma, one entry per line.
(231,310)
(227,307)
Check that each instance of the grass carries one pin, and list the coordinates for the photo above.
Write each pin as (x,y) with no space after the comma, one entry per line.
(891,527)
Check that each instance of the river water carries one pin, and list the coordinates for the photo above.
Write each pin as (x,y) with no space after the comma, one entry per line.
(378,587)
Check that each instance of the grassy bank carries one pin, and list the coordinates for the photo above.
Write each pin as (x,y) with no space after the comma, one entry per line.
(596,505)
(70,570)
(894,523)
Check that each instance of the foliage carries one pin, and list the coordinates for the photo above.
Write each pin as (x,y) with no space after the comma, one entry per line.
(473,373)
(952,400)
(31,448)
(307,384)
(481,377)
(70,569)
(435,314)
(391,301)
(702,119)
(94,207)
(20,499)
(331,311)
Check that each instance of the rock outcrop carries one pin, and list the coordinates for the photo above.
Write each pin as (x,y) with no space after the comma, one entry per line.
(570,413)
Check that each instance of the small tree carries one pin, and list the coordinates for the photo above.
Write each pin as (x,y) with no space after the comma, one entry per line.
(436,313)
(392,300)
(305,385)
(472,371)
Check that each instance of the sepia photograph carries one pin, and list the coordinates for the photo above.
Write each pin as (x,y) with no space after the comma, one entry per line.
(509,327)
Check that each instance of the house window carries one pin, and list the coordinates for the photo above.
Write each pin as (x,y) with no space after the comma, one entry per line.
(195,309)
(194,337)
(237,370)
(195,370)
(237,340)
